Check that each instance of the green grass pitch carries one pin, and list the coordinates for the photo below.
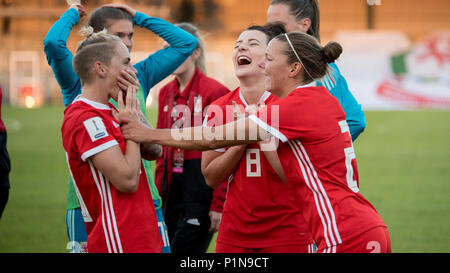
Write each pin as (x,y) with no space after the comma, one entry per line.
(403,162)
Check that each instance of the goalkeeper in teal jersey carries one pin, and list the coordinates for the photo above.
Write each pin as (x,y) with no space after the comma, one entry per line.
(118,20)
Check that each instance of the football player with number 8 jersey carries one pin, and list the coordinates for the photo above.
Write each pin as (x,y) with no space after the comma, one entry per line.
(260,213)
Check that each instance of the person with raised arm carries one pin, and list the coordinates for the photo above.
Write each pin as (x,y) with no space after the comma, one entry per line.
(118,20)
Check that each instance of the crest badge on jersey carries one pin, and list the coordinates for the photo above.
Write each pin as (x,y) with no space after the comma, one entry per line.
(96,128)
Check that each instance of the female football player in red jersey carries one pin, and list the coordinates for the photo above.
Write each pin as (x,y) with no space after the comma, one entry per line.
(316,153)
(106,169)
(260,213)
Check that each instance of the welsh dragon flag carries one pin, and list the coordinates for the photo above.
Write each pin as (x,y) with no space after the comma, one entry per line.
(422,75)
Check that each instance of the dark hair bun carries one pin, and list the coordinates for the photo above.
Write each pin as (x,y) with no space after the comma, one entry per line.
(331,51)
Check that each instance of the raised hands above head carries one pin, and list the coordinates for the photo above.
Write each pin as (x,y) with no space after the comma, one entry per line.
(124,7)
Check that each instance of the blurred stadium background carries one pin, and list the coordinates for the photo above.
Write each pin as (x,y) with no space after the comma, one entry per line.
(396,61)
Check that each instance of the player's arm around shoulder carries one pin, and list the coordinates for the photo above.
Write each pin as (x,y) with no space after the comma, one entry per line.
(122,170)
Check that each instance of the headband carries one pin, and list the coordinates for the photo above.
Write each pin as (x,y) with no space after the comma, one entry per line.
(296,55)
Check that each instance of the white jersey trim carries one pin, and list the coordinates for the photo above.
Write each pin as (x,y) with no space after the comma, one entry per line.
(92,103)
(264,97)
(311,84)
(99,149)
(108,243)
(111,217)
(84,211)
(312,248)
(328,203)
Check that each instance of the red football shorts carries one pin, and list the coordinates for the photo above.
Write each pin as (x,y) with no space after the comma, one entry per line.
(296,248)
(376,240)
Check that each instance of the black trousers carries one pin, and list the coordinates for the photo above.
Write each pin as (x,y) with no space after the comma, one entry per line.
(4,194)
(186,210)
(5,167)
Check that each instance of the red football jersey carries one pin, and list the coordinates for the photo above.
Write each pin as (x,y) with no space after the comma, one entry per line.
(260,211)
(319,162)
(115,221)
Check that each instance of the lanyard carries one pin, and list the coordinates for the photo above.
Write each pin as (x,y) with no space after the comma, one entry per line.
(173,114)
(178,154)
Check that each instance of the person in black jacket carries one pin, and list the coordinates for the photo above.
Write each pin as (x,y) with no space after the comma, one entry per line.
(5,165)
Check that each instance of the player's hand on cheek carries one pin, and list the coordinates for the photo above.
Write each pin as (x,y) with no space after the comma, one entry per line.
(127,78)
(129,111)
(131,125)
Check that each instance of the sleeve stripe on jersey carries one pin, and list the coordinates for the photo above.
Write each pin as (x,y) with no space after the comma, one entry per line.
(276,133)
(98,149)
(323,204)
(108,216)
